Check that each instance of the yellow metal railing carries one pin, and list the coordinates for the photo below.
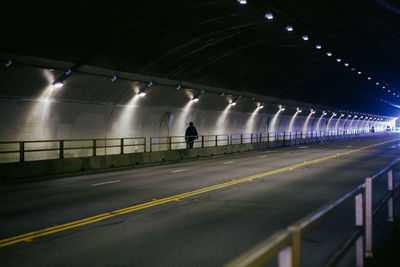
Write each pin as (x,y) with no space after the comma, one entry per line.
(286,245)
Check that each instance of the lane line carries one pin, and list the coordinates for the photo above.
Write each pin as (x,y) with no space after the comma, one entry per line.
(103,183)
(262,157)
(176,171)
(28,237)
(229,162)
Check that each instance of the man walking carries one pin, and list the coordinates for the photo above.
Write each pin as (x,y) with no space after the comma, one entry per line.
(191,135)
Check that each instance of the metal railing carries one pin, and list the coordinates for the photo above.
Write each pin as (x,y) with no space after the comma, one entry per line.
(69,148)
(286,245)
(19,151)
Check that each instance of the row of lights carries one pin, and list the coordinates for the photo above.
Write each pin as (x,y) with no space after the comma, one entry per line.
(142,92)
(290,28)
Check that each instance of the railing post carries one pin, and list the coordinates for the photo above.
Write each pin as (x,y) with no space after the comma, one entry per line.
(368,218)
(21,151)
(94,148)
(144,144)
(202,140)
(296,246)
(359,222)
(285,257)
(216,140)
(284,136)
(61,149)
(122,146)
(169,141)
(268,137)
(251,138)
(390,200)
(241,138)
(151,144)
(231,140)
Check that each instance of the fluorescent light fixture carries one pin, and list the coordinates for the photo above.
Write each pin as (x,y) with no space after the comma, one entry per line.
(261,106)
(329,54)
(58,84)
(269,15)
(355,116)
(195,99)
(353,69)
(178,87)
(318,46)
(383,87)
(338,59)
(334,114)
(233,103)
(8,64)
(242,2)
(289,28)
(114,78)
(142,93)
(305,37)
(369,78)
(346,64)
(359,72)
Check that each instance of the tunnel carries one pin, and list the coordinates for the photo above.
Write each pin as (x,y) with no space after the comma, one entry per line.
(294,157)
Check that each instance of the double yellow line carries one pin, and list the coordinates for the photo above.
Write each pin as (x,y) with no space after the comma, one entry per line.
(28,237)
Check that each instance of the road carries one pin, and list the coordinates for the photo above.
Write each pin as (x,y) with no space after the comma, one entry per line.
(196,213)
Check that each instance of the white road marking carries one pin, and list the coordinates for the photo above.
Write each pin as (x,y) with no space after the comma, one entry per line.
(303,147)
(267,152)
(349,146)
(229,162)
(110,182)
(180,170)
(262,157)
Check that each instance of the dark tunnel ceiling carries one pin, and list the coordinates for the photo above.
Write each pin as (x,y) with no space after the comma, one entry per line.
(225,44)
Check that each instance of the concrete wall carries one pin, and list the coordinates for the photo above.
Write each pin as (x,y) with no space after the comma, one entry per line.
(91,106)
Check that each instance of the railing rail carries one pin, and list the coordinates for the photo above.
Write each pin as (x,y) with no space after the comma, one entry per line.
(286,244)
(14,151)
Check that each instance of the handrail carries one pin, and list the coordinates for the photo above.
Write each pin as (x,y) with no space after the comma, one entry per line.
(291,255)
(10,149)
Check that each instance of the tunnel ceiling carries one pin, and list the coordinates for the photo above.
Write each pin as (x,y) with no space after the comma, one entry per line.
(222,43)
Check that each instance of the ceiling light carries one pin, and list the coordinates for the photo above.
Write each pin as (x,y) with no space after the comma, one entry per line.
(346,64)
(329,54)
(58,84)
(178,87)
(353,69)
(8,64)
(114,78)
(242,2)
(142,93)
(233,103)
(318,46)
(289,28)
(304,37)
(338,59)
(195,99)
(359,72)
(261,106)
(269,15)
(377,83)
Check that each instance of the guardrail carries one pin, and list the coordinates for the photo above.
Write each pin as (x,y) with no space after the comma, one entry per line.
(70,148)
(19,151)
(286,245)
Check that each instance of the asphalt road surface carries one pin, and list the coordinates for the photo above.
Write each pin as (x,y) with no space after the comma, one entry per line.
(197,213)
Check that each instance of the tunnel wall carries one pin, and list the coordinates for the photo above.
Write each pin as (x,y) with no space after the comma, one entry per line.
(90,105)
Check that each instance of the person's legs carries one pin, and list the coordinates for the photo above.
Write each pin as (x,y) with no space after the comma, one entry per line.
(191,143)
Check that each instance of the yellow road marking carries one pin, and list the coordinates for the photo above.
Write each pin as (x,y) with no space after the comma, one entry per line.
(28,237)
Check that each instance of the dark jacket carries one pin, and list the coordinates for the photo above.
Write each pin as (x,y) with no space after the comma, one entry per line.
(191,133)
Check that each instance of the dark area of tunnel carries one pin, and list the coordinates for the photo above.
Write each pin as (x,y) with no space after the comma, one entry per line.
(224,44)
